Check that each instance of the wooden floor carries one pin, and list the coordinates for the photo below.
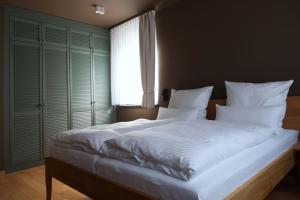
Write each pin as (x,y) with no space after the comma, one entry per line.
(29,185)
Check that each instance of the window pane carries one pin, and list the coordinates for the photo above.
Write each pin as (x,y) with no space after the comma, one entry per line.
(125,64)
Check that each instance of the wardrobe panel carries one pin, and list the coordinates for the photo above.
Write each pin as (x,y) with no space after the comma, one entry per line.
(81,81)
(80,40)
(103,116)
(25,29)
(25,138)
(81,96)
(54,123)
(55,35)
(82,119)
(56,79)
(102,80)
(101,43)
(55,92)
(26,77)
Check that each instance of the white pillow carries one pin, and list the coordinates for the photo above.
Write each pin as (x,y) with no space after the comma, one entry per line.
(257,94)
(196,99)
(266,116)
(173,113)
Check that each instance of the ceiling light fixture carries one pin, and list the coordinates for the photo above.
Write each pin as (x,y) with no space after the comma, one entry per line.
(100,10)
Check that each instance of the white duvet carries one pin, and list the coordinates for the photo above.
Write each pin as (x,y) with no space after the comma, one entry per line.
(92,138)
(184,148)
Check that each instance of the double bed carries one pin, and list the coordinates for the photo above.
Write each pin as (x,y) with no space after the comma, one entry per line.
(249,174)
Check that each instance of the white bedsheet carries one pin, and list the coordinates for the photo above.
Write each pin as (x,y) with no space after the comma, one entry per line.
(214,184)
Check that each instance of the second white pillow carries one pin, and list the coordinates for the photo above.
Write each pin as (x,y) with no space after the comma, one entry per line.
(257,94)
(267,116)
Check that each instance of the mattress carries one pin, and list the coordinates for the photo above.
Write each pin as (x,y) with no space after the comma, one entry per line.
(213,184)
(76,158)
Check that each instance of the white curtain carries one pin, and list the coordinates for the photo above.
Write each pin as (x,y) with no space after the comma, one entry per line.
(126,83)
(147,57)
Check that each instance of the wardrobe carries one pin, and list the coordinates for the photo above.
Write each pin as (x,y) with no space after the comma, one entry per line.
(58,78)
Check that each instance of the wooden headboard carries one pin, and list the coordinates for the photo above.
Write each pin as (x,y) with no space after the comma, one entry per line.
(291,120)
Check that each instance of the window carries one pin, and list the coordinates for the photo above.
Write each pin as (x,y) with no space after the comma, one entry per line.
(125,65)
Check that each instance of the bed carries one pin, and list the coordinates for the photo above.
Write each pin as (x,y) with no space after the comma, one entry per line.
(111,179)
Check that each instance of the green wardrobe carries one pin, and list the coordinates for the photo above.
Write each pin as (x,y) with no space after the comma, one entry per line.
(58,79)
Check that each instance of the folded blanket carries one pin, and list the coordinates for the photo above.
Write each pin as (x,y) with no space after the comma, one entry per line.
(92,138)
(184,148)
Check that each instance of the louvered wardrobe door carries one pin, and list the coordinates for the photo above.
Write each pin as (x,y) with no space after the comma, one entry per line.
(24,30)
(102,106)
(54,35)
(25,128)
(101,43)
(55,92)
(81,98)
(80,40)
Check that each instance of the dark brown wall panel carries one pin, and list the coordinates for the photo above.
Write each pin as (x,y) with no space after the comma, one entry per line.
(207,42)
(1,89)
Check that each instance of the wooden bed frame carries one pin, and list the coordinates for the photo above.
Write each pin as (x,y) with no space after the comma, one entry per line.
(256,188)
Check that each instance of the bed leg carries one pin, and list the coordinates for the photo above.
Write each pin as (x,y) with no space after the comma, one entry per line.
(48,185)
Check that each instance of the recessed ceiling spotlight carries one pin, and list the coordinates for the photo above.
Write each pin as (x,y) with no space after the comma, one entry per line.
(100,10)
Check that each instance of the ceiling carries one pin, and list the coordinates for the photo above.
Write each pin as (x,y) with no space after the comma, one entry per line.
(117,11)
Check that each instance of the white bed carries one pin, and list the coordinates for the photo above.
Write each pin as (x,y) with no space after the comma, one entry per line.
(213,184)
